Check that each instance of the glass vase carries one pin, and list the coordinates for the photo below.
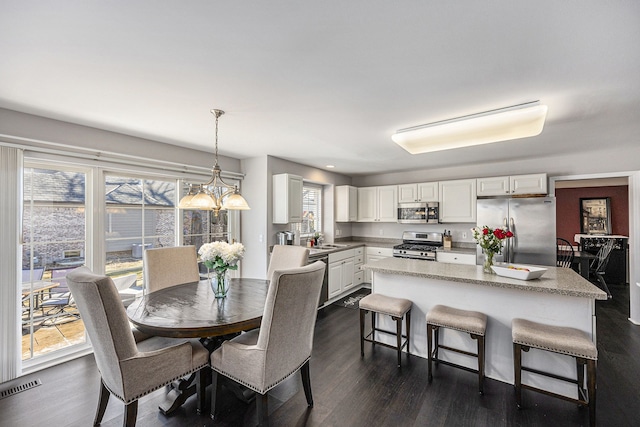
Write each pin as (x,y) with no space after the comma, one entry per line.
(219,283)
(488,261)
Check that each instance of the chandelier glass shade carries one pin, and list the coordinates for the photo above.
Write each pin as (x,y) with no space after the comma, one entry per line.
(215,194)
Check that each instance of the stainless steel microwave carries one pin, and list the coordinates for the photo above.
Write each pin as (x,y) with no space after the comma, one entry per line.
(418,213)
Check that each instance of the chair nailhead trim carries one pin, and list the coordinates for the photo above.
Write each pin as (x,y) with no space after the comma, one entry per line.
(556,350)
(269,387)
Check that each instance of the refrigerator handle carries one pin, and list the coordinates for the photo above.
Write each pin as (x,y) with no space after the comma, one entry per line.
(512,229)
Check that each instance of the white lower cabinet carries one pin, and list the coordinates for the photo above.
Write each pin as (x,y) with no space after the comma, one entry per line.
(374,254)
(341,269)
(358,261)
(456,258)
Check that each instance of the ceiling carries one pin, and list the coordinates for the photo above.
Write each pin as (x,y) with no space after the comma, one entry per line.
(327,82)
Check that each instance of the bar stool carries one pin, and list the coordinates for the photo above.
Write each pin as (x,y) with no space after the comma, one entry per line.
(558,339)
(397,308)
(472,322)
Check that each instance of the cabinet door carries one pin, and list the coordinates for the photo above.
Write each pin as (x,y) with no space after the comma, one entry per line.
(494,186)
(347,274)
(388,203)
(428,192)
(458,200)
(287,198)
(370,259)
(407,193)
(346,203)
(367,201)
(335,279)
(529,184)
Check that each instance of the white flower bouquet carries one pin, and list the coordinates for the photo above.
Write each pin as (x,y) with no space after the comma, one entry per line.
(221,256)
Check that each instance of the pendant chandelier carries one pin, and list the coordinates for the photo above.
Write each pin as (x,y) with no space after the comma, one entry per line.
(215,194)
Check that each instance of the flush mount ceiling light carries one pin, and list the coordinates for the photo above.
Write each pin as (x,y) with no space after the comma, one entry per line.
(518,121)
(215,194)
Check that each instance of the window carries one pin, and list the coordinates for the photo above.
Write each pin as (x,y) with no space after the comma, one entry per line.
(311,209)
(54,233)
(140,214)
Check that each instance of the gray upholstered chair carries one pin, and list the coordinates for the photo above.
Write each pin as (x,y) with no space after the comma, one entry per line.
(284,257)
(165,267)
(262,358)
(130,369)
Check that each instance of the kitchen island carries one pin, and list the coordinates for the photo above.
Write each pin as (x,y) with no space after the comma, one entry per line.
(559,297)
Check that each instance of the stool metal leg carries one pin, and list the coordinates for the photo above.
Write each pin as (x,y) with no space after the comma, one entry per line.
(591,389)
(481,347)
(362,313)
(517,371)
(430,349)
(398,321)
(408,328)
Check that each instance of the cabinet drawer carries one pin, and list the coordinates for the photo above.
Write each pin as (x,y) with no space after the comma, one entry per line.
(339,256)
(456,258)
(358,278)
(358,259)
(359,250)
(379,251)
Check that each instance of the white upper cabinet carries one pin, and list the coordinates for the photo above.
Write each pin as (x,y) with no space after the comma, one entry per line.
(287,198)
(513,185)
(346,203)
(378,204)
(457,200)
(529,184)
(422,192)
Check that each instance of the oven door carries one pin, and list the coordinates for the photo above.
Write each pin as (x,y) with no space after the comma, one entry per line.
(412,213)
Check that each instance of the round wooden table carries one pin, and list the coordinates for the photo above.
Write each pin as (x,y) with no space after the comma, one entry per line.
(191,310)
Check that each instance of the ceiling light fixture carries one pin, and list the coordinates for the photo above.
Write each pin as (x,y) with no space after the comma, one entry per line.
(503,124)
(215,194)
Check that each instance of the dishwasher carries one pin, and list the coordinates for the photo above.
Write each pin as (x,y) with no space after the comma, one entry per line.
(324,293)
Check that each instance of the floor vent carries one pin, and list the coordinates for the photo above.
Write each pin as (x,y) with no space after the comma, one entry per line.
(17,389)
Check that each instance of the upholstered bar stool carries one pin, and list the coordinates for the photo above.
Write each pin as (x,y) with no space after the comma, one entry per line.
(397,308)
(472,322)
(558,339)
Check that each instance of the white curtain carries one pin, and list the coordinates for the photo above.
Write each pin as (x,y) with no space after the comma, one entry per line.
(10,256)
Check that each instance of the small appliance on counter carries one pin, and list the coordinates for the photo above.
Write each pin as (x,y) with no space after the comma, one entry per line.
(418,245)
(285,237)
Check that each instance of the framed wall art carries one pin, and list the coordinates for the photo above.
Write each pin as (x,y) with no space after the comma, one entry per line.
(595,215)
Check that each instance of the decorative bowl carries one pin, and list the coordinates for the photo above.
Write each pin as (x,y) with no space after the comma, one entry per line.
(519,271)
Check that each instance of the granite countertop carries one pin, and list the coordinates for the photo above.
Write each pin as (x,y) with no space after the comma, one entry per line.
(560,281)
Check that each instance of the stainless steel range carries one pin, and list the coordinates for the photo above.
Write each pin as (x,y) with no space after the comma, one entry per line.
(418,245)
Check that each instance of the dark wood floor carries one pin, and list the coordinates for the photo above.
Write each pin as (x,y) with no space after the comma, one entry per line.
(350,391)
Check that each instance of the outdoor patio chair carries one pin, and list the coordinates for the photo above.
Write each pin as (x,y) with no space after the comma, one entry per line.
(60,303)
(124,285)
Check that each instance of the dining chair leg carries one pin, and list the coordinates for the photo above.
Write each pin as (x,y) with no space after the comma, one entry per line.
(201,384)
(130,414)
(102,403)
(262,408)
(215,391)
(306,383)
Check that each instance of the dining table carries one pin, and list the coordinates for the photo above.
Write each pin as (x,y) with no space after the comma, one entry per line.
(191,310)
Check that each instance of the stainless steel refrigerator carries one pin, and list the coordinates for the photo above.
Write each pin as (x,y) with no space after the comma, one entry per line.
(532,221)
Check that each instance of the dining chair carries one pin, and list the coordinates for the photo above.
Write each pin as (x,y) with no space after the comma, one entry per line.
(286,256)
(599,265)
(564,253)
(166,267)
(262,358)
(130,369)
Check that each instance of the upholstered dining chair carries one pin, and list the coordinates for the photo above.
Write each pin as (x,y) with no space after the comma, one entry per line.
(262,358)
(130,369)
(286,256)
(564,253)
(166,267)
